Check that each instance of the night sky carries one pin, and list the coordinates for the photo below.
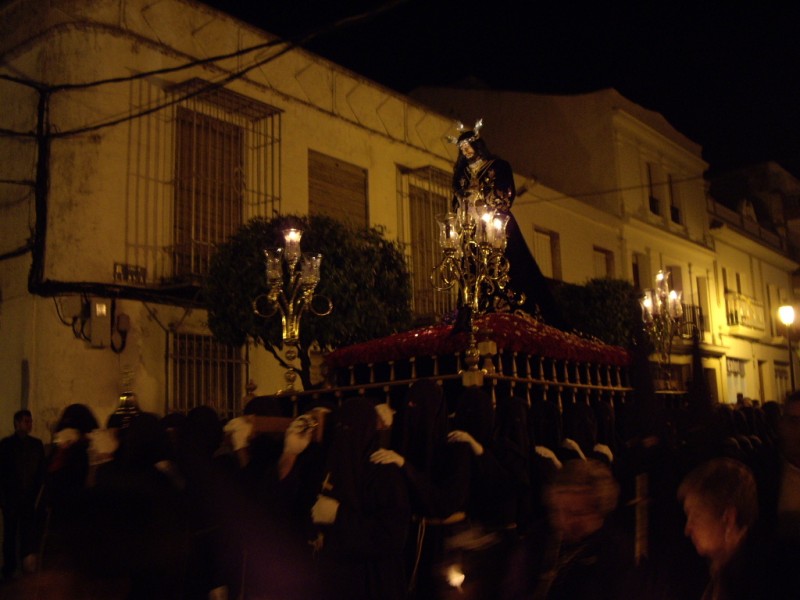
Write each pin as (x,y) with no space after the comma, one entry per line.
(726,77)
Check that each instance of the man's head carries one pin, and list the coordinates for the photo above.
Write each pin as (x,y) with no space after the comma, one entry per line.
(580,497)
(23,422)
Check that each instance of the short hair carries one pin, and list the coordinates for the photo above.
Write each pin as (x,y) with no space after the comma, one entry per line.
(723,483)
(22,413)
(591,477)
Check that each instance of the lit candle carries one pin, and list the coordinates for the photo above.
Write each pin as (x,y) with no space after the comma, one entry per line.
(485,228)
(291,238)
(647,307)
(499,224)
(675,308)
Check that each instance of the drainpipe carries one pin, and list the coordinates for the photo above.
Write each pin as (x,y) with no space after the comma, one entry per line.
(41,192)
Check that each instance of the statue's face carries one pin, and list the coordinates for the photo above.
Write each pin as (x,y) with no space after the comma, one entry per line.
(466,149)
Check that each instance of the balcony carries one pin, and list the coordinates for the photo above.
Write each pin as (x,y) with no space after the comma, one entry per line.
(721,214)
(693,319)
(745,315)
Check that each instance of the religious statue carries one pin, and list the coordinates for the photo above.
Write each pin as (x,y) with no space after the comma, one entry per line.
(482,177)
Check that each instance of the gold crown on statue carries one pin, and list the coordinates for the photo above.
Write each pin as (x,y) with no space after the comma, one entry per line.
(476,132)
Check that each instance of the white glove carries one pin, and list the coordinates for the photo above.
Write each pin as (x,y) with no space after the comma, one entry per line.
(102,445)
(387,457)
(385,415)
(324,510)
(462,436)
(240,429)
(545,452)
(298,434)
(66,437)
(604,450)
(571,444)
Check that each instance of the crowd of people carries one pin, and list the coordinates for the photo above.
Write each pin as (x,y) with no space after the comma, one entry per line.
(439,495)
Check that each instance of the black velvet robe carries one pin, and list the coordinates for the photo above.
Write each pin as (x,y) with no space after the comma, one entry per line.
(362,552)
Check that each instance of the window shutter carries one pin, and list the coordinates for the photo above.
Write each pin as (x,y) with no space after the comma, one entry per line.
(337,189)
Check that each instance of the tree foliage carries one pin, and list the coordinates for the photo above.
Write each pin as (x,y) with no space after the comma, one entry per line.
(363,274)
(607,309)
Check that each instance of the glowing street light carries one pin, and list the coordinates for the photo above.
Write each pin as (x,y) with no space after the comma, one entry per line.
(786,316)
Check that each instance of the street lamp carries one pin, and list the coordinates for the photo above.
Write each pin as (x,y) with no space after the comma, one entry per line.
(292,277)
(786,315)
(662,313)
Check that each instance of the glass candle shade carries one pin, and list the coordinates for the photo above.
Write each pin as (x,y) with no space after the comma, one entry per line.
(309,273)
(449,231)
(274,262)
(291,238)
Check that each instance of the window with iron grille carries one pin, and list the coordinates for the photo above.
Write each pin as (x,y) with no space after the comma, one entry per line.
(205,372)
(426,192)
(227,151)
(208,188)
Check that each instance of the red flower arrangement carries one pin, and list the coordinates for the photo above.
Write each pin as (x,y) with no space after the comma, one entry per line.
(513,332)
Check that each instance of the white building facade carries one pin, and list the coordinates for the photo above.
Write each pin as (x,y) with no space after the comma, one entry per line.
(137,136)
(610,156)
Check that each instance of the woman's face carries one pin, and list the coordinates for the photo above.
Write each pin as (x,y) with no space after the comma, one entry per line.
(704,526)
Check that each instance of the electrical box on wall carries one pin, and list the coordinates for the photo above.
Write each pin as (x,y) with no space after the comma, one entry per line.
(100,319)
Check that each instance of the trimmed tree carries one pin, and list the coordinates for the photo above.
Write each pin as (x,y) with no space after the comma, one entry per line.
(363,274)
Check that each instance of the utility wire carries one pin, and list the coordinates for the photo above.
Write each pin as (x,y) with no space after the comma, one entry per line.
(302,41)
(565,196)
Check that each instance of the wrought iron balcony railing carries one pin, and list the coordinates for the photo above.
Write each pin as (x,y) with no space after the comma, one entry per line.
(743,312)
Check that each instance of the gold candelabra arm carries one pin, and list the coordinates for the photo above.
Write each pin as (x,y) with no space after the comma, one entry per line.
(447,273)
(266,305)
(328,305)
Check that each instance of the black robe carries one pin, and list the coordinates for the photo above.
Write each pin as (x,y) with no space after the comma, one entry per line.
(362,551)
